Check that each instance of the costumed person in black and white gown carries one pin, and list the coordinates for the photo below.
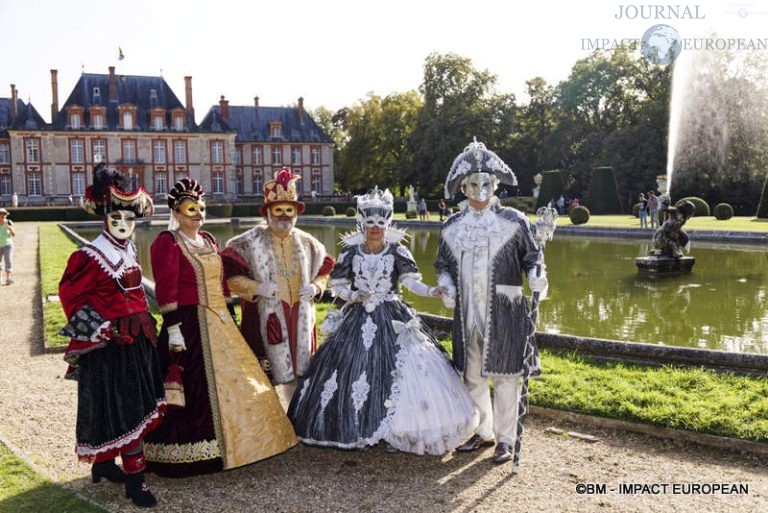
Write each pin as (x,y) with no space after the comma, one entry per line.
(112,354)
(484,252)
(379,375)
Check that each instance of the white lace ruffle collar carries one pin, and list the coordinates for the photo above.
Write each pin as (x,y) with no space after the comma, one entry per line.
(112,257)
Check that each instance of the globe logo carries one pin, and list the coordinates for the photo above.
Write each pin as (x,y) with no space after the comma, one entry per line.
(661,44)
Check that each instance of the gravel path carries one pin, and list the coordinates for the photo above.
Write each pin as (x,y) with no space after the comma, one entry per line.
(37,415)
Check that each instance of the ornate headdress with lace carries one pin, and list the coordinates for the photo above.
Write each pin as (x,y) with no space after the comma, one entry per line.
(374,209)
(476,158)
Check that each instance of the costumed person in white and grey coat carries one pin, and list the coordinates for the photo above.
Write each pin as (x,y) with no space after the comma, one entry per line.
(484,253)
(278,270)
(380,376)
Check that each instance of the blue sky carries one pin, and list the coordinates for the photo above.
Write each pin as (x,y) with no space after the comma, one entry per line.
(331,52)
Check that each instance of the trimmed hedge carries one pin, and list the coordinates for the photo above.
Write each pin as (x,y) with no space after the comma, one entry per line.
(329,211)
(350,212)
(723,211)
(762,206)
(50,214)
(702,208)
(579,215)
(525,204)
(603,195)
(552,187)
(222,210)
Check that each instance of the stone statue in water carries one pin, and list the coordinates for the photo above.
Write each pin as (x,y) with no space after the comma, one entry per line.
(670,238)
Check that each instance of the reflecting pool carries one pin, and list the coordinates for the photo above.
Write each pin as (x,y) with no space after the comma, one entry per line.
(596,291)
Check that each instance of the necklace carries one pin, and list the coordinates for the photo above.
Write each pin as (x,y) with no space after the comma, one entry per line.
(198,241)
(284,268)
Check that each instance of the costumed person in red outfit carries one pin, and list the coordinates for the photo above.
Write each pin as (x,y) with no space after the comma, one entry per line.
(224,412)
(278,270)
(112,349)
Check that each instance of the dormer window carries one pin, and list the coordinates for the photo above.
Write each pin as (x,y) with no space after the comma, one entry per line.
(97,120)
(127,116)
(74,120)
(158,122)
(153,98)
(178,123)
(75,117)
(276,130)
(96,95)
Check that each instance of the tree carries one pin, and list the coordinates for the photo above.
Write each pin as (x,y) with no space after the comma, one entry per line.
(376,150)
(459,104)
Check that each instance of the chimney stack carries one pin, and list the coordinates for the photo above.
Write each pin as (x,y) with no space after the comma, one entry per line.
(301,109)
(188,95)
(14,95)
(112,84)
(255,101)
(54,95)
(224,108)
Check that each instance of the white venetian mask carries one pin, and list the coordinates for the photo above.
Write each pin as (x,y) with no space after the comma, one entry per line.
(479,186)
(121,223)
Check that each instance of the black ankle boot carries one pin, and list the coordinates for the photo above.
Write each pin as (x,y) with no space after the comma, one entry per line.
(109,470)
(138,491)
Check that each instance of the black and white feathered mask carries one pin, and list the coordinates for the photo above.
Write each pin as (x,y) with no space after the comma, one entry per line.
(374,209)
(476,159)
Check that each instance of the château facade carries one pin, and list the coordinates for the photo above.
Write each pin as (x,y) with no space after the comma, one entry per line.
(138,124)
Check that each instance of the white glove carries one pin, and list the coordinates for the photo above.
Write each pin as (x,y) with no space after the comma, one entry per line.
(538,283)
(268,290)
(309,292)
(176,339)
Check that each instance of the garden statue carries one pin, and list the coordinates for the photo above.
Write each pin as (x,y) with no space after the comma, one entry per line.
(669,238)
(666,257)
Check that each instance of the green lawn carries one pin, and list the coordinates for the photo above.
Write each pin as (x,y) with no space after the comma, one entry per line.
(55,248)
(22,490)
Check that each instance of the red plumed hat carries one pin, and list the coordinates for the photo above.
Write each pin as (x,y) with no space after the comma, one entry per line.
(282,190)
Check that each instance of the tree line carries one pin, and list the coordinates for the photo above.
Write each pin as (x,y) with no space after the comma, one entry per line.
(612,110)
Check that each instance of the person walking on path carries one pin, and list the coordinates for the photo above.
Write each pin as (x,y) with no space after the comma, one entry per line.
(653,209)
(422,208)
(643,211)
(6,245)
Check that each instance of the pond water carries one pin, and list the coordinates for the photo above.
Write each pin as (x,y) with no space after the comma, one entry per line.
(595,290)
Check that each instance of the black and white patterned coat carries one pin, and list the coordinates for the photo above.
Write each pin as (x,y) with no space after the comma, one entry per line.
(512,252)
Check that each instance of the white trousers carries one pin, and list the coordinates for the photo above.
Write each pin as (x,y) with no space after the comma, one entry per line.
(497,419)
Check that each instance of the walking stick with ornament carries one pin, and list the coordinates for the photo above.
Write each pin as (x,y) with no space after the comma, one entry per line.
(546,222)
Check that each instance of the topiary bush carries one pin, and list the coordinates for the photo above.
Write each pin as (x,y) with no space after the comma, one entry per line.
(702,208)
(579,215)
(723,211)
(411,214)
(552,187)
(603,195)
(329,211)
(350,212)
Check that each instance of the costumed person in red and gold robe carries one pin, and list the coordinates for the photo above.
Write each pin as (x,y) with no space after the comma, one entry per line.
(112,351)
(278,270)
(227,413)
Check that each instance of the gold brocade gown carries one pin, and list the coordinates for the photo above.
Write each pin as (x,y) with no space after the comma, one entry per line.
(224,385)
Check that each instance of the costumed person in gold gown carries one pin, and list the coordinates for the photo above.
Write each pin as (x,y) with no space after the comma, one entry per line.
(223,412)
(112,353)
